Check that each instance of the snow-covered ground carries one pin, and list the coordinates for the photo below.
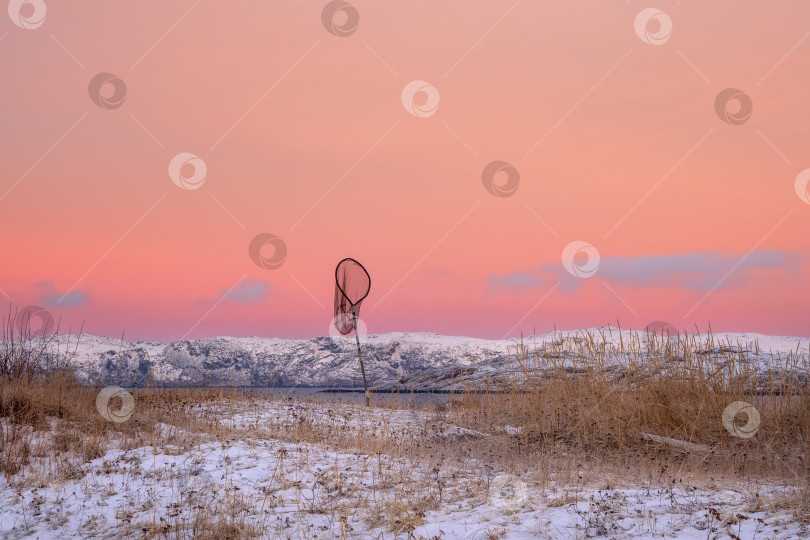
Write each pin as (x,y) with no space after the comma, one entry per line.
(250,479)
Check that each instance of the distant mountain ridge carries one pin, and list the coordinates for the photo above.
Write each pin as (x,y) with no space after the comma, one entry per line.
(406,361)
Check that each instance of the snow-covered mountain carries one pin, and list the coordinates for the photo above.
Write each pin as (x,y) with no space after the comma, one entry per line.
(407,361)
(255,361)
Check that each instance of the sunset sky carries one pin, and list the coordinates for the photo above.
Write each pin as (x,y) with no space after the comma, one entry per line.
(611,134)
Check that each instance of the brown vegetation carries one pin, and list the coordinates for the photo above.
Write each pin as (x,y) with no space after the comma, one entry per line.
(590,420)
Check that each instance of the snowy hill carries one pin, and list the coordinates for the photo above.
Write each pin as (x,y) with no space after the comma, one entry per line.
(408,361)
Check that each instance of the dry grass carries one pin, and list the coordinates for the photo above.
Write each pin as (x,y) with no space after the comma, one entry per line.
(594,403)
(581,424)
(582,412)
(53,415)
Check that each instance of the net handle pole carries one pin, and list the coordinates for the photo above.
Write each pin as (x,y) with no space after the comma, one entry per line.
(360,356)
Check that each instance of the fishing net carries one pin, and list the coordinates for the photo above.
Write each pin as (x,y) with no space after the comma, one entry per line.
(352,284)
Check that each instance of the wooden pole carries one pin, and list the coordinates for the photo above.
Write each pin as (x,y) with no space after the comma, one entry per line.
(360,356)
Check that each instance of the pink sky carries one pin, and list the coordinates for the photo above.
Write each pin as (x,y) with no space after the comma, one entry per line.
(305,136)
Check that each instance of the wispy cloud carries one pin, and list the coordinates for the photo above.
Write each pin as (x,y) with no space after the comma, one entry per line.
(698,271)
(53,298)
(248,291)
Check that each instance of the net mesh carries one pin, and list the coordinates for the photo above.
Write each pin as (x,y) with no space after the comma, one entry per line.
(352,284)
